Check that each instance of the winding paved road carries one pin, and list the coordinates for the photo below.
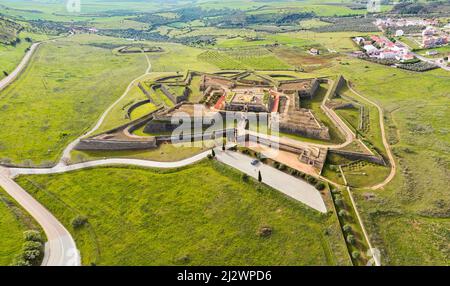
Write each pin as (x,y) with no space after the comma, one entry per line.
(288,185)
(60,247)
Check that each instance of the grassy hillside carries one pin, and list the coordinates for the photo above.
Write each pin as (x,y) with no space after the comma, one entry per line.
(199,215)
(9,31)
(63,91)
(13,222)
(409,218)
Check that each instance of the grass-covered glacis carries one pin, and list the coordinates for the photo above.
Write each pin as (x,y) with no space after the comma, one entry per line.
(203,214)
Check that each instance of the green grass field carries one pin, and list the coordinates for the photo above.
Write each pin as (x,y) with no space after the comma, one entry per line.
(314,105)
(373,132)
(11,56)
(363,174)
(164,152)
(13,222)
(419,135)
(176,217)
(65,88)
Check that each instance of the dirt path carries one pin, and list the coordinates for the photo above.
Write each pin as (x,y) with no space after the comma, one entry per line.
(385,142)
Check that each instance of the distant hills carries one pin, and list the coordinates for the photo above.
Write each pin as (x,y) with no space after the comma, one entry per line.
(9,31)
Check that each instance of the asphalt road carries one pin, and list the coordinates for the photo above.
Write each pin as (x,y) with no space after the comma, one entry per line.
(290,186)
(60,247)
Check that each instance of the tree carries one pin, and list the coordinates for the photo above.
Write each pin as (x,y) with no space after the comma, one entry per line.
(347,228)
(259,176)
(79,221)
(32,235)
(351,239)
(32,245)
(342,213)
(320,186)
(356,254)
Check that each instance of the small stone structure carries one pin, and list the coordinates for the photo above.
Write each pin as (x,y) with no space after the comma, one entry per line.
(170,119)
(303,88)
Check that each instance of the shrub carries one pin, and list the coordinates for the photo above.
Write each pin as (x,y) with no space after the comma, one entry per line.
(347,228)
(32,245)
(335,191)
(32,235)
(233,148)
(79,221)
(183,259)
(351,239)
(320,186)
(244,177)
(19,261)
(342,213)
(265,231)
(339,202)
(356,254)
(32,255)
(311,180)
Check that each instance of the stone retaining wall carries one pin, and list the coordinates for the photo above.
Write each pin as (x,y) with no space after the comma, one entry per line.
(136,105)
(337,85)
(115,145)
(229,133)
(175,98)
(317,133)
(360,156)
